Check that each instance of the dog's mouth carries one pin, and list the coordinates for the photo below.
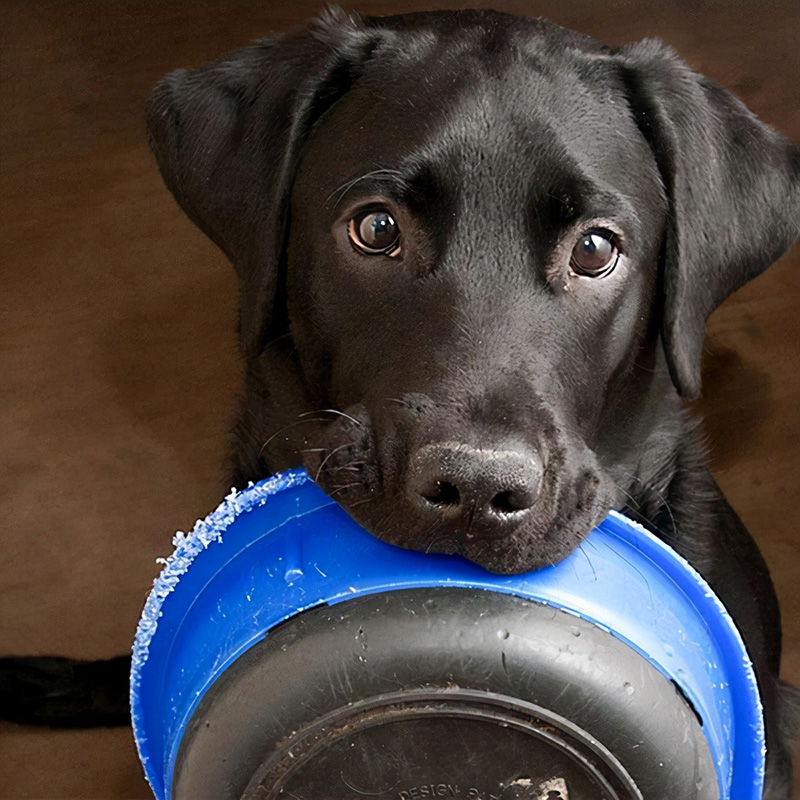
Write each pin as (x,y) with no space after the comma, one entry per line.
(442,498)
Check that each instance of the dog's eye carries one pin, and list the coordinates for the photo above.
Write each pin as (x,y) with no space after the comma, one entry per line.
(375,233)
(595,253)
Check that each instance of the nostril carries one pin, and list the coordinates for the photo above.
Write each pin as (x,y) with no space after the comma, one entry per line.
(510,502)
(442,493)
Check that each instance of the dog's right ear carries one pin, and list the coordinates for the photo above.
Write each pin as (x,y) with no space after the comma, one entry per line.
(227,139)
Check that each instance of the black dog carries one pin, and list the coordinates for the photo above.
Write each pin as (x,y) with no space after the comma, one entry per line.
(477,255)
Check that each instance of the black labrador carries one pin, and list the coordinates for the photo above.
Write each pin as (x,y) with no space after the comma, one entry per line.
(477,255)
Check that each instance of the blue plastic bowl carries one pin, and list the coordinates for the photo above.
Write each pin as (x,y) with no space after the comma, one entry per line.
(283,546)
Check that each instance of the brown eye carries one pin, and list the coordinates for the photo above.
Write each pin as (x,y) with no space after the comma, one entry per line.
(595,254)
(375,233)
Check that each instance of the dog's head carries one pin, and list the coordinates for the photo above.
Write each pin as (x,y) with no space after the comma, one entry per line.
(476,252)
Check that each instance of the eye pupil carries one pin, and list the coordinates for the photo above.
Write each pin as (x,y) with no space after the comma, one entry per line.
(376,232)
(595,253)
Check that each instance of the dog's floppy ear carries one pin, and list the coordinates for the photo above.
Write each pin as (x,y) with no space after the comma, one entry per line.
(227,139)
(733,186)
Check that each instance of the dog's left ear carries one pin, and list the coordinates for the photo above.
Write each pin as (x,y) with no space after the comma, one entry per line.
(733,186)
(228,137)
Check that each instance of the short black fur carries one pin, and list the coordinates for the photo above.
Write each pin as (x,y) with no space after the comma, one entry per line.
(395,380)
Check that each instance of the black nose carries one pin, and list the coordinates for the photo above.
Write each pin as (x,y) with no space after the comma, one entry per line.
(482,493)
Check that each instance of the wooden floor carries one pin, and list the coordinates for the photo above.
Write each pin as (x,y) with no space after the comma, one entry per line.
(117,355)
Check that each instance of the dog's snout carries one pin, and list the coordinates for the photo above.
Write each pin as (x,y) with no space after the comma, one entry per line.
(482,493)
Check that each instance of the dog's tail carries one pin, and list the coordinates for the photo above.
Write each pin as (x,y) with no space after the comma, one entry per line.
(64,693)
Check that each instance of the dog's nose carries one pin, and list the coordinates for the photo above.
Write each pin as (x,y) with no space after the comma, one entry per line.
(482,493)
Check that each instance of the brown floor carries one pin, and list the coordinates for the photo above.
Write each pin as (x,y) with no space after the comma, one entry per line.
(117,350)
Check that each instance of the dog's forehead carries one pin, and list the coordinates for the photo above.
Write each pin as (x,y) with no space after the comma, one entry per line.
(515,103)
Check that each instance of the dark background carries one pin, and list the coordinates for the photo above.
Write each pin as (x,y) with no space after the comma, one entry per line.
(118,362)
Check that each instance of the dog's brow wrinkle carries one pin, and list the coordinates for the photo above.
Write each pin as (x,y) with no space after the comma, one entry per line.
(348,185)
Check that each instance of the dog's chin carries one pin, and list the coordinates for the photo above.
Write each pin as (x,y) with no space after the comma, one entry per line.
(526,552)
(507,558)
